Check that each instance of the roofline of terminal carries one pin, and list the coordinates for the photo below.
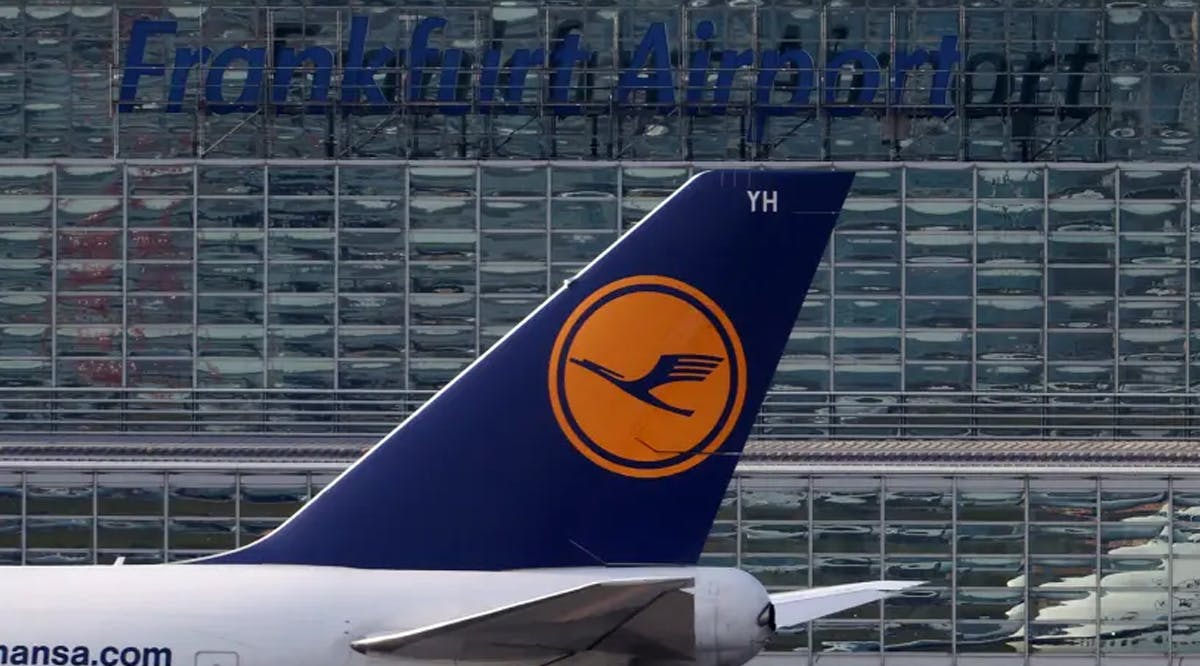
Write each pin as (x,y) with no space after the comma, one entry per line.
(878,456)
(781,469)
(939,165)
(754,468)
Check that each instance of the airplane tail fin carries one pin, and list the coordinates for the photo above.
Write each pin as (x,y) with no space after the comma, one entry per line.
(605,427)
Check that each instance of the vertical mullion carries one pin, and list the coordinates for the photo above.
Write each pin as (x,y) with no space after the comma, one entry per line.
(1027,567)
(24,517)
(264,143)
(812,564)
(830,344)
(54,289)
(1170,646)
(25,28)
(890,121)
(124,402)
(266,290)
(407,291)
(1115,388)
(683,128)
(196,396)
(975,281)
(479,258)
(1099,523)
(1044,335)
(960,74)
(1187,296)
(620,198)
(95,518)
(114,117)
(901,427)
(824,123)
(237,508)
(954,569)
(200,150)
(882,605)
(337,300)
(166,516)
(549,229)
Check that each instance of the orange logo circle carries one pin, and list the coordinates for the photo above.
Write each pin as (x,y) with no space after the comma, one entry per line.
(647,377)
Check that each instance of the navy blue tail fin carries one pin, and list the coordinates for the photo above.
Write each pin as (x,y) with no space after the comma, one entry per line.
(605,427)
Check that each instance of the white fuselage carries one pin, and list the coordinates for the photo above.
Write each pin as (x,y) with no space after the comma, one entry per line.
(266,615)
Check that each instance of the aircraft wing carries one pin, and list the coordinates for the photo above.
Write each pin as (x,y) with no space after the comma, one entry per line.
(799,606)
(650,618)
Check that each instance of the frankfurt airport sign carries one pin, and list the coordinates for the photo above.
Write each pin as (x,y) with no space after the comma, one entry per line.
(784,80)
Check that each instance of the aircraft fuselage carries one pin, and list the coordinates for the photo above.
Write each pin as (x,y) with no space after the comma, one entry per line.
(167,615)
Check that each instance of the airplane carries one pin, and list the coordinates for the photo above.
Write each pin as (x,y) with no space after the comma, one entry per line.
(544,507)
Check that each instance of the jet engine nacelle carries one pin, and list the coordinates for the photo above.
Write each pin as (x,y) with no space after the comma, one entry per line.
(733,616)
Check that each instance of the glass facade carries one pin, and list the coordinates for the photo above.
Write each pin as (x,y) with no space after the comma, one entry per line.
(304,217)
(245,216)
(867,79)
(1013,562)
(377,282)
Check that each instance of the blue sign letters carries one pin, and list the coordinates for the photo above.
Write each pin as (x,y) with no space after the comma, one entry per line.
(439,80)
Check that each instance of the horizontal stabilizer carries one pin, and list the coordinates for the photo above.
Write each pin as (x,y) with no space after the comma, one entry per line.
(647,618)
(800,606)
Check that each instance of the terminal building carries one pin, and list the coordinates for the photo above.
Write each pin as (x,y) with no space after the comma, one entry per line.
(240,242)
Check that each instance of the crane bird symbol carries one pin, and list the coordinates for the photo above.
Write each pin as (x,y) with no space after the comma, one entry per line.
(669,369)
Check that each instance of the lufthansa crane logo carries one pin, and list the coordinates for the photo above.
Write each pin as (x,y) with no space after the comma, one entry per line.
(647,377)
